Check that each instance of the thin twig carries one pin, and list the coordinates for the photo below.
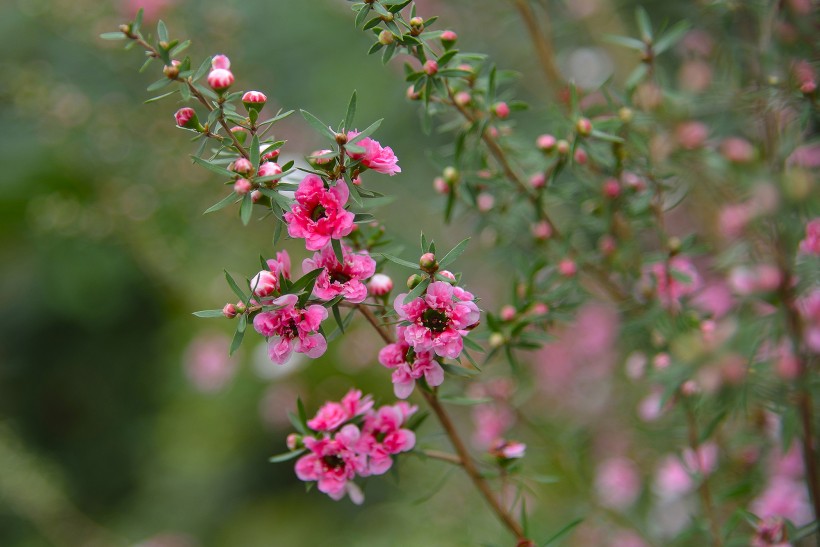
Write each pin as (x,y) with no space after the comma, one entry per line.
(703,488)
(543,47)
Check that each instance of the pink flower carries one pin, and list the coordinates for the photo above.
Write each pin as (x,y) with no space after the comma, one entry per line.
(672,480)
(290,328)
(671,284)
(383,436)
(332,461)
(375,157)
(491,422)
(332,414)
(811,244)
(439,319)
(266,282)
(340,279)
(508,450)
(318,213)
(783,497)
(703,461)
(617,483)
(409,365)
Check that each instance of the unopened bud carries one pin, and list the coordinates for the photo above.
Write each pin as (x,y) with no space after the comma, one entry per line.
(417,22)
(294,441)
(229,311)
(242,186)
(441,186)
(581,156)
(220,79)
(612,188)
(674,245)
(428,263)
(496,340)
(341,138)
(171,71)
(562,147)
(268,169)
(380,285)
(567,268)
(546,143)
(220,62)
(502,110)
(256,195)
(386,37)
(451,277)
(413,281)
(451,175)
(412,94)
(625,114)
(430,67)
(254,100)
(583,126)
(507,313)
(242,166)
(186,117)
(448,38)
(462,98)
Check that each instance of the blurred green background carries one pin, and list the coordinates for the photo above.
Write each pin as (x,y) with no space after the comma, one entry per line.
(122,421)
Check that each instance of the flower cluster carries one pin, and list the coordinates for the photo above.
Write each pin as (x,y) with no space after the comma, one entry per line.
(409,365)
(319,213)
(341,278)
(289,328)
(349,439)
(375,156)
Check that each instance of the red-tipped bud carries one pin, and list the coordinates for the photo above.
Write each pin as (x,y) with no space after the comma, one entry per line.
(567,268)
(256,195)
(428,263)
(463,98)
(186,117)
(502,110)
(583,126)
(242,166)
(270,155)
(220,62)
(242,186)
(220,79)
(380,285)
(562,147)
(508,313)
(546,143)
(417,22)
(386,37)
(265,283)
(448,38)
(269,169)
(430,67)
(254,100)
(229,311)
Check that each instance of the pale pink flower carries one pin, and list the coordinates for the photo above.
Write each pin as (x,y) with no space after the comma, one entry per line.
(491,423)
(340,279)
(409,365)
(737,150)
(811,244)
(439,319)
(783,497)
(290,328)
(733,219)
(207,363)
(617,483)
(375,156)
(673,282)
(703,461)
(746,280)
(318,213)
(672,479)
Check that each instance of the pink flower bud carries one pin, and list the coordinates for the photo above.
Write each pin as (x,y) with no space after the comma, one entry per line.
(229,311)
(242,166)
(583,126)
(448,37)
(269,169)
(440,186)
(502,110)
(689,388)
(581,156)
(357,181)
(186,117)
(256,195)
(220,79)
(507,313)
(386,37)
(412,94)
(293,441)
(254,100)
(562,147)
(567,268)
(463,98)
(321,161)
(539,308)
(449,275)
(242,186)
(661,361)
(220,62)
(737,150)
(607,245)
(380,285)
(451,175)
(541,230)
(546,143)
(691,135)
(430,67)
(264,283)
(612,188)
(484,202)
(427,262)
(270,155)
(417,22)
(538,180)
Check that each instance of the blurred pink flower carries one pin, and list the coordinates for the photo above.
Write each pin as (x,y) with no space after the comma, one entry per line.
(617,483)
(207,363)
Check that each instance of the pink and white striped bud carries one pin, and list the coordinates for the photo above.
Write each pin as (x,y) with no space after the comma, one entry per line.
(507,313)
(546,143)
(484,202)
(256,195)
(463,98)
(562,147)
(314,158)
(541,230)
(220,79)
(270,155)
(583,126)
(229,311)
(567,267)
(186,118)
(254,100)
(357,181)
(220,62)
(501,110)
(242,186)
(538,180)
(264,284)
(448,38)
(441,186)
(269,169)
(430,67)
(612,188)
(380,285)
(242,166)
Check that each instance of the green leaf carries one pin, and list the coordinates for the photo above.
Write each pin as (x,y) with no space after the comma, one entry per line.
(451,202)
(366,133)
(297,425)
(337,250)
(457,370)
(363,217)
(300,408)
(423,243)
(388,53)
(644,24)
(417,290)
(465,401)
(472,344)
(246,209)
(317,124)
(113,36)
(302,283)
(563,532)
(338,317)
(160,97)
(491,86)
(362,15)
(159,84)
(179,48)
(625,41)
(671,37)
(162,31)
(286,456)
(351,113)
(399,261)
(636,76)
(203,69)
(447,57)
(374,48)
(454,253)
(254,152)
(218,169)
(209,313)
(239,334)
(234,287)
(224,202)
(605,136)
(138,21)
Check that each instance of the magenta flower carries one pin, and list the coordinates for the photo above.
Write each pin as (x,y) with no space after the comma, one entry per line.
(409,365)
(383,436)
(290,328)
(439,319)
(673,282)
(319,214)
(333,461)
(375,157)
(811,244)
(332,414)
(341,279)
(266,282)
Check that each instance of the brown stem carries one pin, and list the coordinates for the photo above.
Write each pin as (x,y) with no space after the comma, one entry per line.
(543,47)
(463,454)
(443,456)
(703,488)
